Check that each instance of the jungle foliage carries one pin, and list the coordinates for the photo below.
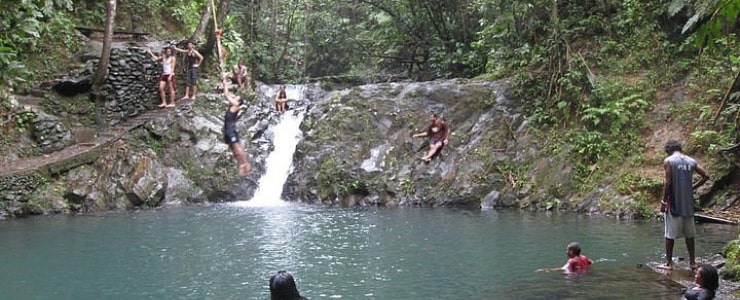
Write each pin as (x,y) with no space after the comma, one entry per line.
(592,69)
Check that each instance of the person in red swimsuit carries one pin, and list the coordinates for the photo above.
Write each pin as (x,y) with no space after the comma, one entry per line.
(576,263)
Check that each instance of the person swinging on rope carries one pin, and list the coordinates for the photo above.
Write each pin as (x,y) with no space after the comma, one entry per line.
(231,137)
(440,136)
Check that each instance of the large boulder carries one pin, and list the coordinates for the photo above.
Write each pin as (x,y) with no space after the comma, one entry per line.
(358,148)
(127,178)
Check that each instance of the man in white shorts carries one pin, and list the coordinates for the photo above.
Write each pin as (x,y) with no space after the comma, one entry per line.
(678,200)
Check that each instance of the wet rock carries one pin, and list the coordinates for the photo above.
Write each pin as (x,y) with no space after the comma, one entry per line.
(180,188)
(144,181)
(80,182)
(362,137)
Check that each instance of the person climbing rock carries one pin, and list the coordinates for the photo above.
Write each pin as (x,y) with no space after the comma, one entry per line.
(439,132)
(167,79)
(193,58)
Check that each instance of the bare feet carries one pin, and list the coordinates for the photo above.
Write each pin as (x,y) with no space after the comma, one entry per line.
(245,169)
(665,266)
(162,105)
(171,105)
(185,98)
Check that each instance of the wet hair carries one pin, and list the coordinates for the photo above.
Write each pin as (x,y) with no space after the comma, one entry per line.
(708,277)
(575,247)
(283,287)
(672,146)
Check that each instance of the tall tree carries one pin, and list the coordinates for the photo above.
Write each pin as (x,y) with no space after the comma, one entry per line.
(102,70)
(205,16)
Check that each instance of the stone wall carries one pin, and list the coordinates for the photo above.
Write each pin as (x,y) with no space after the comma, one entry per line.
(131,87)
(50,133)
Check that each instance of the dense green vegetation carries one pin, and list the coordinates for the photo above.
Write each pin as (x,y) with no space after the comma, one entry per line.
(591,69)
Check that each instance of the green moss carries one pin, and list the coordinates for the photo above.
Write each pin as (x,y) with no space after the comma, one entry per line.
(732,258)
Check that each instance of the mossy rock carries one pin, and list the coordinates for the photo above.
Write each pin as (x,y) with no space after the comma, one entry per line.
(732,256)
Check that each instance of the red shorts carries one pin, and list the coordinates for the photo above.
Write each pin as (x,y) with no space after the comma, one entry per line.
(165,77)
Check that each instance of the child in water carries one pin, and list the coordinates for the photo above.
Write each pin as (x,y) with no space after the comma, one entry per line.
(576,263)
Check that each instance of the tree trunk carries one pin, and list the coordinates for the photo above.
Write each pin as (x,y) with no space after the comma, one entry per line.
(205,16)
(102,70)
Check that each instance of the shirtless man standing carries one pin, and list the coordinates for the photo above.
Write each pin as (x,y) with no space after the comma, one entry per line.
(240,76)
(168,75)
(193,58)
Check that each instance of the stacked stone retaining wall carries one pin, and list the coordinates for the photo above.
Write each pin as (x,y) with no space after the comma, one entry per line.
(132,84)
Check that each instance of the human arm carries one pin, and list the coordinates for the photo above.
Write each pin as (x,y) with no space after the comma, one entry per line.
(173,62)
(232,100)
(666,186)
(178,49)
(424,132)
(199,57)
(154,57)
(704,176)
(447,133)
(547,270)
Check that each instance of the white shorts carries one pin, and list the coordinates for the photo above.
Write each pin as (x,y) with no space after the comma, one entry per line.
(679,227)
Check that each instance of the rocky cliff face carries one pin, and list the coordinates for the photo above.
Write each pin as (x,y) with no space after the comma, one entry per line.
(358,148)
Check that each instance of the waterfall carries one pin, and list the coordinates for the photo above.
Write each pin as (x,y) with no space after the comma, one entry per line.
(286,134)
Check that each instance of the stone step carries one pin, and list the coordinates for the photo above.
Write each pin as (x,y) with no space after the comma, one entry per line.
(84,135)
(37,92)
(29,101)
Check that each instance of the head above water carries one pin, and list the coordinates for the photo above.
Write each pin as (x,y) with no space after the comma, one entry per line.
(574,248)
(672,146)
(283,287)
(706,276)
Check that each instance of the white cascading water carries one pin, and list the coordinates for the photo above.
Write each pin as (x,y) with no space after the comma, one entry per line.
(285,136)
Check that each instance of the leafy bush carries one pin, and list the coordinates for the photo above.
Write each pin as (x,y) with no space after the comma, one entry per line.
(30,29)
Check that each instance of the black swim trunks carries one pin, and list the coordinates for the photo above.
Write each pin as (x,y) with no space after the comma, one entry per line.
(191,76)
(230,136)
(229,129)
